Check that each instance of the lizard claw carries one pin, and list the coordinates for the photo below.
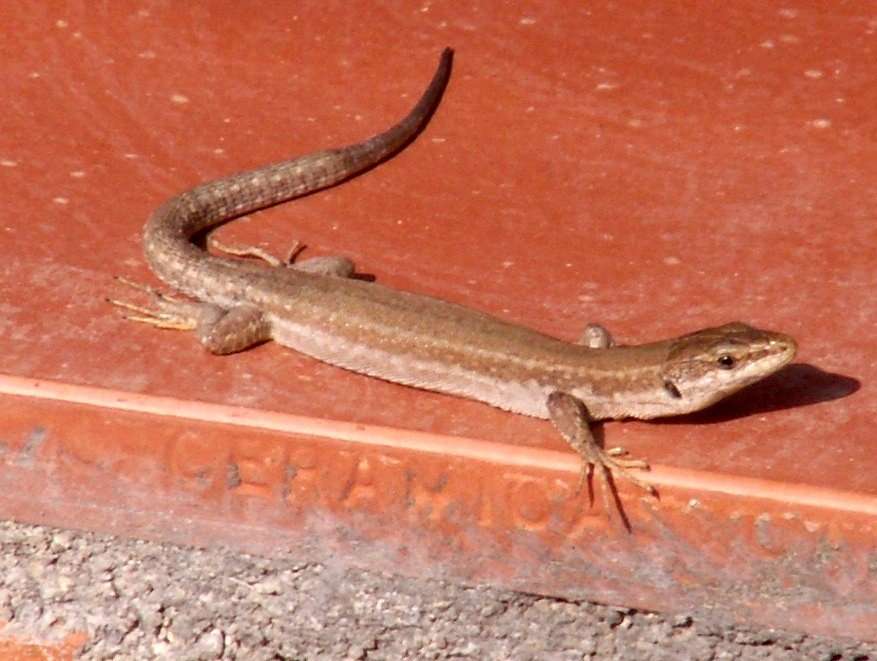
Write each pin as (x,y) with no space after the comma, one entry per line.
(169,312)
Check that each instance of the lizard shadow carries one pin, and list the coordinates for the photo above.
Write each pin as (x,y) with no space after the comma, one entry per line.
(797,385)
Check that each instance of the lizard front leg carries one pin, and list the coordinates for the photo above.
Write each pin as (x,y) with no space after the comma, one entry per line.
(596,337)
(571,418)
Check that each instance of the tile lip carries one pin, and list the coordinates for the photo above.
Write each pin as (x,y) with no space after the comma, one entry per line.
(436,444)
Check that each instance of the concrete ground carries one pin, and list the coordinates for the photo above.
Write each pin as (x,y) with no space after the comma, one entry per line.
(143,600)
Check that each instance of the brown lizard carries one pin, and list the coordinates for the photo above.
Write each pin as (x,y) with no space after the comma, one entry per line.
(312,306)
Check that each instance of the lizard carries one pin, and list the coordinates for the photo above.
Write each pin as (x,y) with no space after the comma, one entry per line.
(316,307)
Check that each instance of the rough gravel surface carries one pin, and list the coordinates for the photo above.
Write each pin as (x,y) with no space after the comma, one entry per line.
(144,600)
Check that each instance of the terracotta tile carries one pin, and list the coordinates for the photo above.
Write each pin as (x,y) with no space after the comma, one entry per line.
(16,648)
(654,171)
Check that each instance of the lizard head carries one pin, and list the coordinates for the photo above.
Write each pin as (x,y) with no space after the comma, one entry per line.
(708,365)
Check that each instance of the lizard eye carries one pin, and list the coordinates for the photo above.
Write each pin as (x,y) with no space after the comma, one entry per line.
(725,362)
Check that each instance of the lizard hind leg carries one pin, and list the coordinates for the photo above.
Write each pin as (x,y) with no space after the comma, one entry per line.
(220,331)
(228,331)
(337,266)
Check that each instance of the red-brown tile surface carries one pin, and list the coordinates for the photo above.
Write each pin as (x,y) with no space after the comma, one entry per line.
(16,648)
(653,171)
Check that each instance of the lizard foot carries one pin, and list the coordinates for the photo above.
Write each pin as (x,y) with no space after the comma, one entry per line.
(259,253)
(614,462)
(220,331)
(326,265)
(169,312)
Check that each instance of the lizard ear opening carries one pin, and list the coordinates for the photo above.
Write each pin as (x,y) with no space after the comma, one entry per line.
(671,388)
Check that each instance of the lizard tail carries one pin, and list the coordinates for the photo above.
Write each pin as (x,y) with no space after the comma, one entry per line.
(169,231)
